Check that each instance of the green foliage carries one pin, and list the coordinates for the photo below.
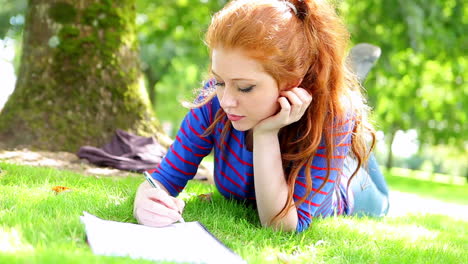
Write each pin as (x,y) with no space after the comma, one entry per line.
(419,81)
(436,159)
(422,65)
(11,17)
(172,51)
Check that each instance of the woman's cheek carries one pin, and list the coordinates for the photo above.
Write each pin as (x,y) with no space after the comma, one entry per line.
(219,94)
(274,108)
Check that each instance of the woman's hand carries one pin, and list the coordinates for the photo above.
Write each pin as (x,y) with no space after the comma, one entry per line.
(293,105)
(155,207)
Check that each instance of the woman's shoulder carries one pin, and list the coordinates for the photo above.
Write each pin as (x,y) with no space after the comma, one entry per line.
(206,104)
(352,108)
(210,104)
(205,95)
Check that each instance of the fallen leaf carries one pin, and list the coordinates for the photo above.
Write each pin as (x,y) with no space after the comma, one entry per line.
(206,197)
(59,189)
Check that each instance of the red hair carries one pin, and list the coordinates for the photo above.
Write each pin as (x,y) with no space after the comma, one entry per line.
(307,42)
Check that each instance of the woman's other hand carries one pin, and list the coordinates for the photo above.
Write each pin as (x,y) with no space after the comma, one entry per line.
(293,104)
(155,207)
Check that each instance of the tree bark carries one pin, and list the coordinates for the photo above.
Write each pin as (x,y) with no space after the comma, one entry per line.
(389,163)
(79,77)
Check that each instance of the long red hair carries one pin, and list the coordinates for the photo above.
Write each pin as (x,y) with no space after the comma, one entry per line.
(308,42)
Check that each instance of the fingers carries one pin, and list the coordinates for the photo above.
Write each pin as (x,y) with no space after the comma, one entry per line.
(161,196)
(298,100)
(180,204)
(293,103)
(148,218)
(157,208)
(296,105)
(304,95)
(285,106)
(160,209)
(298,96)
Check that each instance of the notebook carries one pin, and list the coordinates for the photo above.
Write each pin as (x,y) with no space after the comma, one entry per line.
(188,242)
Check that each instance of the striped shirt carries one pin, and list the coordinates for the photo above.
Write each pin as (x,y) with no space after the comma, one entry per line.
(233,171)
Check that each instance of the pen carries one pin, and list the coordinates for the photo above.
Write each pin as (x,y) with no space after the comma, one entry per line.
(154,185)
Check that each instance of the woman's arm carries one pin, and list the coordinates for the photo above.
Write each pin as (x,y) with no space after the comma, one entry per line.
(158,207)
(271,189)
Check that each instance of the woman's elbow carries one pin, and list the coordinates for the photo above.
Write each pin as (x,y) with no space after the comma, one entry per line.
(280,226)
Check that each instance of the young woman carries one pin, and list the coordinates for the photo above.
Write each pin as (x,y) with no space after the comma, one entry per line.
(284,116)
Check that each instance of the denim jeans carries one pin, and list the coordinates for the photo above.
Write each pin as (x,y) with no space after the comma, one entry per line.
(369,188)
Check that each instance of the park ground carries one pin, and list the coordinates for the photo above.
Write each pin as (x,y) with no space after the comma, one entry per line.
(402,202)
(427,222)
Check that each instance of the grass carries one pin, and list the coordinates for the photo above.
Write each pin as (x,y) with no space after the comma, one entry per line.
(453,193)
(39,226)
(428,176)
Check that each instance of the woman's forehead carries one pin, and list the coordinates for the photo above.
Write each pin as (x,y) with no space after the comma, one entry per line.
(235,64)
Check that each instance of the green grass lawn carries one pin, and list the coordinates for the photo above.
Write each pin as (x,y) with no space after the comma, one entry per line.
(429,189)
(39,226)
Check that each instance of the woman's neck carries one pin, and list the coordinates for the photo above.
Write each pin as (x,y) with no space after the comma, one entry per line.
(249,140)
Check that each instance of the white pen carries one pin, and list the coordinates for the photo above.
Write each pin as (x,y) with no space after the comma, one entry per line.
(154,185)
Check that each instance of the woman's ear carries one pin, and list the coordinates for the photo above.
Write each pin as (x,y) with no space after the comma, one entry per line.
(293,85)
(299,82)
(289,86)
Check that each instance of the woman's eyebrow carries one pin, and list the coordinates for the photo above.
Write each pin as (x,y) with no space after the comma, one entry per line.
(234,79)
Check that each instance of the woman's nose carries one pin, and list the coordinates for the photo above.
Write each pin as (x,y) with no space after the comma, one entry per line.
(228,99)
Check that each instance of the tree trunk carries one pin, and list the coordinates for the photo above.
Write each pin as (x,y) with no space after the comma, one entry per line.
(79,77)
(153,79)
(389,163)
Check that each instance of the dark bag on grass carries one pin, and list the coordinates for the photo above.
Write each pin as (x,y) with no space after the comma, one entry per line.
(125,152)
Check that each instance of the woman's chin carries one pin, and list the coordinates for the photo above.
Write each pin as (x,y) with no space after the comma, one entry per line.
(240,127)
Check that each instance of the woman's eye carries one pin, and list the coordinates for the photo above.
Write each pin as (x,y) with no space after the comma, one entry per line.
(219,84)
(246,90)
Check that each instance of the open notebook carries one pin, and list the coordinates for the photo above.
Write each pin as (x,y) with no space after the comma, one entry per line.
(182,242)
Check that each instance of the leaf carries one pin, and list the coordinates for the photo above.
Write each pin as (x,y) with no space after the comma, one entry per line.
(205,197)
(59,189)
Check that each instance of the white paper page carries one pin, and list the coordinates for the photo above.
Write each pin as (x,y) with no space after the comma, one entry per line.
(181,242)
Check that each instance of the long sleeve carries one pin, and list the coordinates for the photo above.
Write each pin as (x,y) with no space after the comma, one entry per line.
(184,156)
(324,202)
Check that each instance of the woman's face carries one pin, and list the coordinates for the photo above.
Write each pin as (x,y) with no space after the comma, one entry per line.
(246,93)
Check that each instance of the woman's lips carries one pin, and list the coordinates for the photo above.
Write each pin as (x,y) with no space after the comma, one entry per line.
(234,117)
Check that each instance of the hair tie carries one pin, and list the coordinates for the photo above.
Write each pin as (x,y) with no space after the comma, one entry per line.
(291,5)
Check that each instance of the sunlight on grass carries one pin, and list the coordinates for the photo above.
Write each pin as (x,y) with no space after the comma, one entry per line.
(11,241)
(40,226)
(427,176)
(407,232)
(429,189)
(297,254)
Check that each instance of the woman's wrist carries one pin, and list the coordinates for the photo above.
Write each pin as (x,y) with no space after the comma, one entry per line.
(260,133)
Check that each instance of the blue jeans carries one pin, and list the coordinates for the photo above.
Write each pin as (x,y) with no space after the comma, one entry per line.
(369,188)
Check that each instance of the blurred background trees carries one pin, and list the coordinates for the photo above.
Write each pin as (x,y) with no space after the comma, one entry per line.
(419,82)
(417,89)
(172,51)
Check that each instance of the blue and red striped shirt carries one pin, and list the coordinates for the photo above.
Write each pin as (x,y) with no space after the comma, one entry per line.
(233,171)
